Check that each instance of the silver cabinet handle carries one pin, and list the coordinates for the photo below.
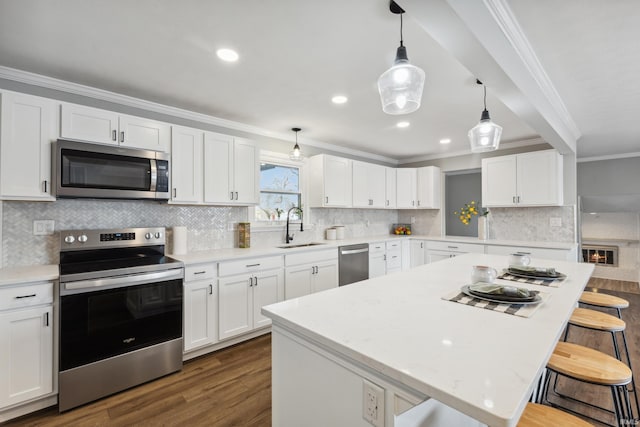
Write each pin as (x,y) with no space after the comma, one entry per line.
(384,257)
(236,195)
(122,136)
(518,198)
(252,265)
(421,245)
(256,281)
(114,135)
(210,289)
(413,203)
(25,296)
(175,193)
(199,272)
(44,183)
(418,202)
(452,247)
(513,199)
(46,319)
(250,281)
(387,203)
(326,199)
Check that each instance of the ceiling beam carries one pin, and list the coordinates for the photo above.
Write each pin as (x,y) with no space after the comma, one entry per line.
(485,37)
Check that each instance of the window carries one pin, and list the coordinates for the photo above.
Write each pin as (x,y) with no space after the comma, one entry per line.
(279,192)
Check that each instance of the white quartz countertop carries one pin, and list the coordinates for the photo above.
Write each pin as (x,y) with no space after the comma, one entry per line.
(483,363)
(34,273)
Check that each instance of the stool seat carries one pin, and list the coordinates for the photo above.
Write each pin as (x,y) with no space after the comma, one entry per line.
(536,415)
(597,320)
(603,300)
(586,364)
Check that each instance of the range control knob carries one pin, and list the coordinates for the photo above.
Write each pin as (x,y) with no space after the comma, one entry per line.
(69,239)
(158,235)
(147,236)
(82,238)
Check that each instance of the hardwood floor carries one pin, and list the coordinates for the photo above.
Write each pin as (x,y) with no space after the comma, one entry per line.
(232,387)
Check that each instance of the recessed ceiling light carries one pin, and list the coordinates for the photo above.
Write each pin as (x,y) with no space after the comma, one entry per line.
(339,99)
(403,124)
(227,55)
(445,140)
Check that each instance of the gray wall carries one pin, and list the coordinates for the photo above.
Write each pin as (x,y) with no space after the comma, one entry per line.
(461,189)
(609,185)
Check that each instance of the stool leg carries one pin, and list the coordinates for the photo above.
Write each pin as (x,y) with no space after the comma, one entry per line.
(633,381)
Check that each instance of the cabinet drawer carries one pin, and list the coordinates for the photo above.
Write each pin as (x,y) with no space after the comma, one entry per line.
(377,248)
(26,295)
(394,260)
(311,257)
(249,265)
(394,246)
(456,247)
(200,272)
(539,253)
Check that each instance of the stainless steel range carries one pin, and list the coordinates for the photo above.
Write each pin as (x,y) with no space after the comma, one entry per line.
(120,312)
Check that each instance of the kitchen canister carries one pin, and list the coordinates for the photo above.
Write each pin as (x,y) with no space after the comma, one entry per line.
(339,232)
(331,234)
(179,240)
(244,234)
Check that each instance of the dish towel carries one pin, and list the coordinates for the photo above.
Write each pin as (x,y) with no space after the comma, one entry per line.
(522,310)
(554,283)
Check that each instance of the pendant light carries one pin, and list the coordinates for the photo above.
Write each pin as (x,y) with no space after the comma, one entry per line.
(296,154)
(485,136)
(401,85)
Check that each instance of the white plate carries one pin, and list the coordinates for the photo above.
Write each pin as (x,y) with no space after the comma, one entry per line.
(528,276)
(465,290)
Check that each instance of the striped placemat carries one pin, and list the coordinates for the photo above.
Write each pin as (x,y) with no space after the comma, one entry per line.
(554,283)
(522,310)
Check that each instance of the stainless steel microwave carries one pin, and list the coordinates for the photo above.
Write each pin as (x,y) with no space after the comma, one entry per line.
(109,172)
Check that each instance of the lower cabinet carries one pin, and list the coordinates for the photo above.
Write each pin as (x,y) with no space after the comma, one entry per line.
(200,306)
(242,296)
(437,251)
(418,253)
(377,259)
(535,253)
(310,272)
(26,340)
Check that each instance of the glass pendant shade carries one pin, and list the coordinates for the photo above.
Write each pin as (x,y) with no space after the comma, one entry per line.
(485,136)
(296,154)
(401,86)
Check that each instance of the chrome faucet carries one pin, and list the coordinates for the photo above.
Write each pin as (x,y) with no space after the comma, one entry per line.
(289,238)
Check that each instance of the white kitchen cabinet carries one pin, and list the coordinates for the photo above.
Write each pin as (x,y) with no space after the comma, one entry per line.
(90,124)
(418,252)
(377,259)
(310,272)
(393,257)
(200,306)
(428,188)
(27,128)
(26,339)
(406,188)
(231,170)
(390,188)
(369,185)
(186,165)
(242,296)
(535,253)
(527,179)
(438,250)
(330,181)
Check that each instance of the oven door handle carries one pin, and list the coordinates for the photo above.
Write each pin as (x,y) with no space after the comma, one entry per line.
(127,280)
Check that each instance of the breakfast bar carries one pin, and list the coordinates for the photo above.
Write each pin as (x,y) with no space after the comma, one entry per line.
(397,351)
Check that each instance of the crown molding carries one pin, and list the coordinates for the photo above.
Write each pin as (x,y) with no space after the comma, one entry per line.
(39,80)
(607,157)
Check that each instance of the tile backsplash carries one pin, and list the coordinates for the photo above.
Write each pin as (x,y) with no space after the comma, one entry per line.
(532,224)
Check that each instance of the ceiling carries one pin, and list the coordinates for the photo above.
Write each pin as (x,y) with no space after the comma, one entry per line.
(296,55)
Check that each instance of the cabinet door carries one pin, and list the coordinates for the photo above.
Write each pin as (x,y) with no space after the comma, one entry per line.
(337,181)
(377,183)
(417,253)
(377,265)
(27,127)
(326,276)
(360,185)
(390,188)
(406,188)
(186,165)
(434,256)
(428,182)
(268,288)
(499,181)
(88,124)
(539,178)
(200,313)
(218,159)
(246,172)
(146,134)
(235,305)
(26,359)
(298,281)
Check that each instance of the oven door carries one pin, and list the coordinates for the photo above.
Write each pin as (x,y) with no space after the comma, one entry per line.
(99,321)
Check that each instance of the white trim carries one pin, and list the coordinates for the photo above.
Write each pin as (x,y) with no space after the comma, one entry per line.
(607,157)
(129,101)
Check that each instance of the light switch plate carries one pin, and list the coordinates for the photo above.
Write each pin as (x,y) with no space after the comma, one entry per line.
(555,222)
(43,227)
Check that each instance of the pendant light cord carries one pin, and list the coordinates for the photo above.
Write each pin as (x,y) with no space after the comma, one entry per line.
(401,30)
(485,96)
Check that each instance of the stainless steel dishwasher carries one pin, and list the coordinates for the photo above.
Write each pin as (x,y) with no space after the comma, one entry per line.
(353,263)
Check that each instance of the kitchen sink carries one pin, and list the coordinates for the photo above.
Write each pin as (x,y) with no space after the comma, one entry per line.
(301,245)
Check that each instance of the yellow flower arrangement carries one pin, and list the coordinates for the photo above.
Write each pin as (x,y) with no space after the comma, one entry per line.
(469,209)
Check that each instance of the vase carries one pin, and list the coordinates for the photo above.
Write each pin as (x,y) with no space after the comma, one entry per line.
(483,232)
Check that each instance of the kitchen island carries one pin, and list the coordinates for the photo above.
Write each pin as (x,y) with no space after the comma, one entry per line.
(391,349)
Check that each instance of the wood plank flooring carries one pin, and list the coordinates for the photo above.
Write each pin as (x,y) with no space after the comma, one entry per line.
(232,387)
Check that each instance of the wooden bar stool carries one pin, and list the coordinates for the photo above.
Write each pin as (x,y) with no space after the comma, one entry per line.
(598,299)
(591,366)
(536,415)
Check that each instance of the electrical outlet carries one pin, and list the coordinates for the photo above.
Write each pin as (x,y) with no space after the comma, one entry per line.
(413,220)
(555,222)
(43,227)
(373,403)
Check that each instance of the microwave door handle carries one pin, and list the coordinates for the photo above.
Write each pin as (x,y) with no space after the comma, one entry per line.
(154,175)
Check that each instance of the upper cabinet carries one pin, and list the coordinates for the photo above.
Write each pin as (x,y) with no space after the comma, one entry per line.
(231,170)
(428,188)
(390,190)
(107,127)
(186,165)
(369,182)
(406,185)
(27,128)
(528,179)
(329,181)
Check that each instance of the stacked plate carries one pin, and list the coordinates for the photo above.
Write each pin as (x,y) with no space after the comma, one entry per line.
(540,273)
(501,294)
